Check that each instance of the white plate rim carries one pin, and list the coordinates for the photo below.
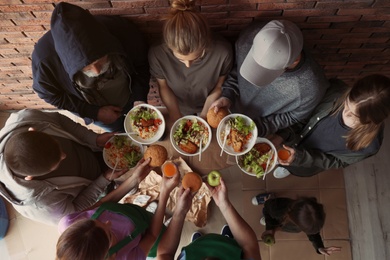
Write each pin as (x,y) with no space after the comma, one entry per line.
(127,126)
(204,148)
(222,124)
(261,140)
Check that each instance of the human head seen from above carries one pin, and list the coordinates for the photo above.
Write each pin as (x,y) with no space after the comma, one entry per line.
(186,32)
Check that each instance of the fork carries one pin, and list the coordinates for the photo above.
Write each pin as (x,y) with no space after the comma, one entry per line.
(227,132)
(200,148)
(113,170)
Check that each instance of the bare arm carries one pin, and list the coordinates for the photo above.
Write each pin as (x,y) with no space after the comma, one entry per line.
(171,238)
(242,232)
(169,99)
(140,172)
(214,95)
(167,185)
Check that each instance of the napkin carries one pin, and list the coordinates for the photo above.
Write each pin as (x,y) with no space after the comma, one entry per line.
(150,187)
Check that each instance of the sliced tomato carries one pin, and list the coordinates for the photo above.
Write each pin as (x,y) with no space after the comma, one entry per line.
(157,122)
(108,145)
(264,166)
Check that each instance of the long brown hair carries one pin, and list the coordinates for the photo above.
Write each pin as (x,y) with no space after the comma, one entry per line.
(185,30)
(83,240)
(371,94)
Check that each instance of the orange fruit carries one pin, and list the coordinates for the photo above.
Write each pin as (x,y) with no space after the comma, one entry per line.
(169,169)
(283,154)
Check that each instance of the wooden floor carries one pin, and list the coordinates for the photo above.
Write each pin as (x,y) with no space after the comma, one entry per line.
(367,185)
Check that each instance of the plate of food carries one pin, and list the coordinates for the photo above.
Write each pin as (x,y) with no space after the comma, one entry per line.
(189,133)
(236,134)
(123,151)
(260,160)
(144,124)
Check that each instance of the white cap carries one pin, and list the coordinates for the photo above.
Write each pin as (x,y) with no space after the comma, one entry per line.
(275,47)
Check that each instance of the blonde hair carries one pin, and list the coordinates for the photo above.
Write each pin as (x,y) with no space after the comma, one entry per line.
(371,94)
(185,30)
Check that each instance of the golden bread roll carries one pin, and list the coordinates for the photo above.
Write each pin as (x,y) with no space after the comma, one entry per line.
(213,118)
(192,180)
(157,153)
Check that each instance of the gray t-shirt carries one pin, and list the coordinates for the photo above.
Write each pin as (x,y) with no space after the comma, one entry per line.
(192,85)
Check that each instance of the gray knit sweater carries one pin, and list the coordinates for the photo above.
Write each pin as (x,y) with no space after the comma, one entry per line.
(289,99)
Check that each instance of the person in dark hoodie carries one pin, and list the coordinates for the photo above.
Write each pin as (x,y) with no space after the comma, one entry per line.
(94,66)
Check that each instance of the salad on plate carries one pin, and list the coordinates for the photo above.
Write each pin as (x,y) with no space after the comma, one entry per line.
(145,122)
(240,133)
(189,133)
(258,160)
(123,148)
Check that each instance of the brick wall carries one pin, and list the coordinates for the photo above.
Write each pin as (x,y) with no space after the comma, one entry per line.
(348,38)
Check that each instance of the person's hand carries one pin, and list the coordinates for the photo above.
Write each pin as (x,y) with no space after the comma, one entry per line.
(290,159)
(168,184)
(102,139)
(329,250)
(184,202)
(219,103)
(109,114)
(220,194)
(267,233)
(142,169)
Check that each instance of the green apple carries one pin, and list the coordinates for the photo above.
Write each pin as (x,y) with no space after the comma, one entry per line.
(269,240)
(214,178)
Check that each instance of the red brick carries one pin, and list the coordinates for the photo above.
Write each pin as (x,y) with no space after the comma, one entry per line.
(347,35)
(42,15)
(213,2)
(221,15)
(362,11)
(223,8)
(333,19)
(26,8)
(156,10)
(257,14)
(285,6)
(309,12)
(139,4)
(343,4)
(14,16)
(21,28)
(117,11)
(381,17)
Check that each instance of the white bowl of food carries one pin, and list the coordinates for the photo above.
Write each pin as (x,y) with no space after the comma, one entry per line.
(144,124)
(123,152)
(241,137)
(188,132)
(260,160)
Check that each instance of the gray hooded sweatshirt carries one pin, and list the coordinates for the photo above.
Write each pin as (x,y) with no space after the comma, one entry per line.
(48,200)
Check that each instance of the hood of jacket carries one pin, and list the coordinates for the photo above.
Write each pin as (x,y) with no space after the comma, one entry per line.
(17,190)
(79,38)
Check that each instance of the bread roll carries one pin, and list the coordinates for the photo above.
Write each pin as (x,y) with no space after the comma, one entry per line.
(157,153)
(213,118)
(192,180)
